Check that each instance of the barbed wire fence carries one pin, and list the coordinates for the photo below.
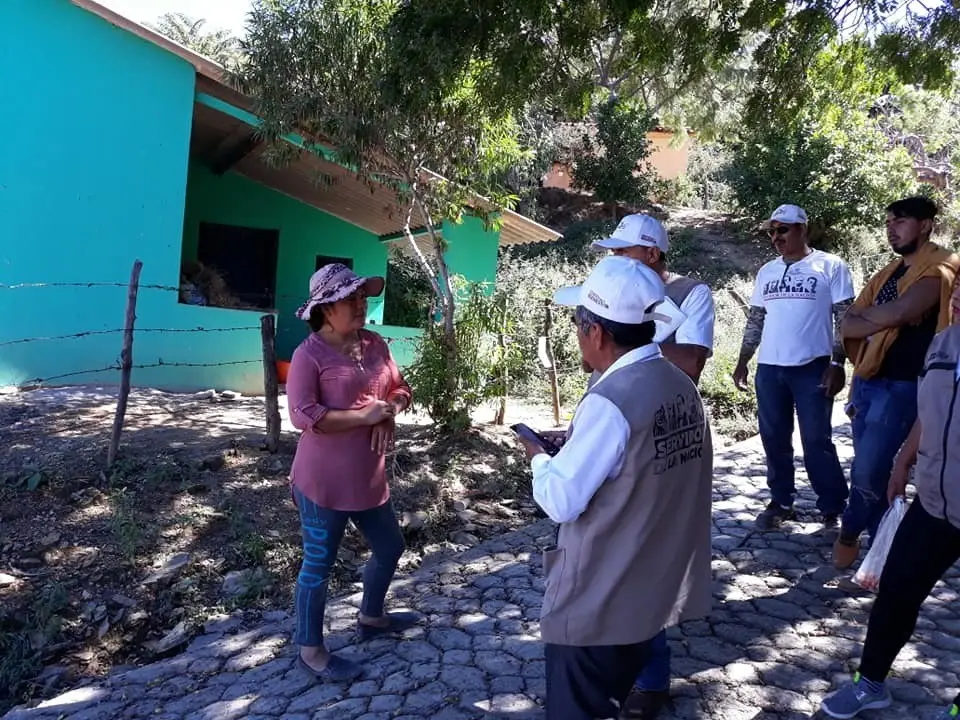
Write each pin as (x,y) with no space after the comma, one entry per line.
(125,365)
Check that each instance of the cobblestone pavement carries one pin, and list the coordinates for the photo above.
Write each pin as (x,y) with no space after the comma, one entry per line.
(779,637)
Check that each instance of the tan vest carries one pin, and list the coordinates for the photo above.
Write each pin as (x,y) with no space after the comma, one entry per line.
(677,288)
(638,559)
(937,474)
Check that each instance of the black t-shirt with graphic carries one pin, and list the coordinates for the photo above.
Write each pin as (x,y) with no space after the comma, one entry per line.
(904,359)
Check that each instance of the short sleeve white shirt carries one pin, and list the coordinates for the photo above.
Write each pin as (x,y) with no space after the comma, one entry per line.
(697,328)
(798,299)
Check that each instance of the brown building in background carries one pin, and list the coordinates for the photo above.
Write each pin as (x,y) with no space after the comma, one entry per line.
(668,158)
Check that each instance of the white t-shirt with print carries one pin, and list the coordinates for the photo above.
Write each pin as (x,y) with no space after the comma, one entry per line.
(799,299)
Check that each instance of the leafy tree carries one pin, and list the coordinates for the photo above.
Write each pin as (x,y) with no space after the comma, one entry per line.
(324,69)
(830,155)
(614,165)
(218,45)
(563,50)
(926,124)
(408,297)
(844,178)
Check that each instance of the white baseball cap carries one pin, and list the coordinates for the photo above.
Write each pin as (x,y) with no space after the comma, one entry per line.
(618,289)
(789,215)
(637,230)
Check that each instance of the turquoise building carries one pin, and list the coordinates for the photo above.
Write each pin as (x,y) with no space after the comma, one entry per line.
(122,145)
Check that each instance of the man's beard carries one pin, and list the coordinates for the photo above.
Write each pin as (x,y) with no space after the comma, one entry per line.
(586,367)
(909,249)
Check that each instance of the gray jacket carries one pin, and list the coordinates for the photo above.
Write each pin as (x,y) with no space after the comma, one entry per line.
(937,473)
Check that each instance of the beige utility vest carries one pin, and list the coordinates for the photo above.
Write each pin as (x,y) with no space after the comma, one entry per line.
(638,559)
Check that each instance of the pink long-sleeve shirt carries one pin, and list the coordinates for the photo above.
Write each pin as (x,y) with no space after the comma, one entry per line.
(338,470)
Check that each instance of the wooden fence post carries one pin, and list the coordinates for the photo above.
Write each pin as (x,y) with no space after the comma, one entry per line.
(552,368)
(501,416)
(126,362)
(271,384)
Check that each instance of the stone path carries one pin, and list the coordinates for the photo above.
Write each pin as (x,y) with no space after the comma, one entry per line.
(779,637)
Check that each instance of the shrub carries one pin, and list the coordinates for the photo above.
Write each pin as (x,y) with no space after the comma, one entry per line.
(732,411)
(530,283)
(450,385)
(615,165)
(843,177)
(678,191)
(706,172)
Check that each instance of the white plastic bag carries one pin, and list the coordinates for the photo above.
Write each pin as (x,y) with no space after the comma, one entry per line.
(868,576)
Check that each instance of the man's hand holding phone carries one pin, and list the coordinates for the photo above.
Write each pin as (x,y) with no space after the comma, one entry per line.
(536,443)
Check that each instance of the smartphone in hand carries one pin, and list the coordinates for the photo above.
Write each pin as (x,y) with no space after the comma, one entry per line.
(531,435)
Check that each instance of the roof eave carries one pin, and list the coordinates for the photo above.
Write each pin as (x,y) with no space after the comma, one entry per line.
(519,229)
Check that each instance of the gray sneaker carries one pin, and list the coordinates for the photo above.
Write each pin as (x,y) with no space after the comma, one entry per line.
(850,700)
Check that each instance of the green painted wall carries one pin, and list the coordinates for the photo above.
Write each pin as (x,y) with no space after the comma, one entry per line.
(305,232)
(92,177)
(472,251)
(79,206)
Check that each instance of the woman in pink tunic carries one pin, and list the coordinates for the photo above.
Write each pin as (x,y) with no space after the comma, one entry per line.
(344,391)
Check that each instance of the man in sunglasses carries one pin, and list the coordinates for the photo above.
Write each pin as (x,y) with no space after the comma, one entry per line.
(887,333)
(798,301)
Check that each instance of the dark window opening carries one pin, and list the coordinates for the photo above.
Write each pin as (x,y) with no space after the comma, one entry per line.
(408,299)
(323,260)
(236,267)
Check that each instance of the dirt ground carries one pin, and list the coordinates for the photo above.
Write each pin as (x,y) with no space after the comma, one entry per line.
(105,568)
(102,568)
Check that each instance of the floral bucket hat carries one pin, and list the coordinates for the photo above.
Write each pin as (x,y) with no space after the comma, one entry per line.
(336,282)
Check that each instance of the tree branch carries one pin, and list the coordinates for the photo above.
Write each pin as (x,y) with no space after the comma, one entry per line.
(443,270)
(408,232)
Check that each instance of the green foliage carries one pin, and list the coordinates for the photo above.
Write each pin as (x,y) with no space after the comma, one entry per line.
(530,276)
(451,385)
(843,178)
(24,638)
(615,165)
(732,412)
(706,171)
(218,45)
(408,297)
(669,55)
(537,133)
(560,51)
(574,248)
(829,155)
(679,191)
(329,71)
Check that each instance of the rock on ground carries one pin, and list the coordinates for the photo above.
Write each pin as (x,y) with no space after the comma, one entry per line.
(779,638)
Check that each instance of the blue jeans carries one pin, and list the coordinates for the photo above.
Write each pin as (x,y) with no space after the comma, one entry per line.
(883,414)
(655,676)
(780,390)
(322,532)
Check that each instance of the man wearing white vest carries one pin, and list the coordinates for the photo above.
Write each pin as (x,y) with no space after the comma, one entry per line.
(643,238)
(631,489)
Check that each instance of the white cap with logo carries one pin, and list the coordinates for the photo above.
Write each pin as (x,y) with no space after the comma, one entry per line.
(789,215)
(637,230)
(618,289)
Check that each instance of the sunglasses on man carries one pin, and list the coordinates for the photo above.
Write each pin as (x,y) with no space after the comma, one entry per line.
(779,230)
